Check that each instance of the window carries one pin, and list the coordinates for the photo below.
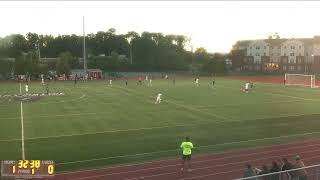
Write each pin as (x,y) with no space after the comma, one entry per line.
(284,67)
(250,54)
(291,68)
(291,61)
(258,47)
(292,47)
(284,61)
(299,68)
(285,47)
(291,54)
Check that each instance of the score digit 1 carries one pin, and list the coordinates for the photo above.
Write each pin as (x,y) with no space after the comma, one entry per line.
(14,169)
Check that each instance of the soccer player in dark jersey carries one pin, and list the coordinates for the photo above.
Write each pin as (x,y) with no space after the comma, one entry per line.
(75,79)
(127,82)
(140,81)
(47,88)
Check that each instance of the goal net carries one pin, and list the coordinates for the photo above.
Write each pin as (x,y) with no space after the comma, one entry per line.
(300,80)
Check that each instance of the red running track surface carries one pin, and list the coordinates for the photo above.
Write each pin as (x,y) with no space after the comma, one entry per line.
(224,166)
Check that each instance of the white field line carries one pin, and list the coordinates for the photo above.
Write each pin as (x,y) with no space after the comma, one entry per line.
(202,161)
(202,112)
(240,104)
(294,97)
(190,108)
(276,93)
(199,147)
(55,102)
(22,128)
(119,130)
(149,128)
(199,107)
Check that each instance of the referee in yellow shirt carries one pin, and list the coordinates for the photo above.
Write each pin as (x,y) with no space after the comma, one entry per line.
(186,147)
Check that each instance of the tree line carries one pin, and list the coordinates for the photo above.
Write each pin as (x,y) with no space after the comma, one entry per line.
(140,52)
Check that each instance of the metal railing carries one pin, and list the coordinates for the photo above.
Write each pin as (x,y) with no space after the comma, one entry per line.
(312,173)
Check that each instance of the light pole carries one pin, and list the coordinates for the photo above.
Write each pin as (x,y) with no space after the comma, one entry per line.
(130,45)
(191,58)
(39,51)
(84,47)
(312,59)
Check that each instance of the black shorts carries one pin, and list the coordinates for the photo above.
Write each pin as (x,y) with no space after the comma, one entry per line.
(186,157)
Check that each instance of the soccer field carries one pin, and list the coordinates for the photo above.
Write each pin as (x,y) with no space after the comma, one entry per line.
(95,125)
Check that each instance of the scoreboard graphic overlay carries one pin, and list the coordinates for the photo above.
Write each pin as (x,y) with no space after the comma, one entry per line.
(27,168)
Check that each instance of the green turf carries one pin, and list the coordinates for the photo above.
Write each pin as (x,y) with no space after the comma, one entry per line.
(95,125)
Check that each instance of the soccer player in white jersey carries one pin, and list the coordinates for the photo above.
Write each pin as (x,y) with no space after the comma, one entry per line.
(158,100)
(110,82)
(42,79)
(246,87)
(197,82)
(150,82)
(27,88)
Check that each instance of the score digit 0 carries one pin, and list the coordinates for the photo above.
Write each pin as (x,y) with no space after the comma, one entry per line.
(50,169)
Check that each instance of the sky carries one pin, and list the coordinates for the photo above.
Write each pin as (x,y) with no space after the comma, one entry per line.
(214,25)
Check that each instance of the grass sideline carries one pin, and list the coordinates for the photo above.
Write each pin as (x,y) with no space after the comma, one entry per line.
(94,121)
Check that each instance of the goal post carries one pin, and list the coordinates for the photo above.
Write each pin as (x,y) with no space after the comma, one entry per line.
(300,80)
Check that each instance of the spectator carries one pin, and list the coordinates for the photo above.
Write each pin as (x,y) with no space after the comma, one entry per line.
(292,175)
(264,170)
(275,168)
(302,173)
(249,172)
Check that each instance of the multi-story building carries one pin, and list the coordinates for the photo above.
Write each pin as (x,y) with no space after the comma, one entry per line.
(257,54)
(275,50)
(292,55)
(289,55)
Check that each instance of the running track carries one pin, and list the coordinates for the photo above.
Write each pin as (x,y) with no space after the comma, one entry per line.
(224,166)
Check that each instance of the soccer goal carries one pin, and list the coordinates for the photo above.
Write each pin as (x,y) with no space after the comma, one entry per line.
(300,80)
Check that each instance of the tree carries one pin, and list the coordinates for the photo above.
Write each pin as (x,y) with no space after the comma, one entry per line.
(33,40)
(150,51)
(6,68)
(276,35)
(214,64)
(63,66)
